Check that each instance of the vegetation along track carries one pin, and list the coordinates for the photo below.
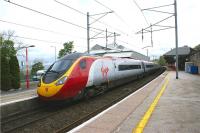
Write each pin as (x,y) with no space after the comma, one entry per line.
(63,117)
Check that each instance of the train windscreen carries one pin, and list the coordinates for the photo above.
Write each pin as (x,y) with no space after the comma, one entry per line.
(57,69)
(60,65)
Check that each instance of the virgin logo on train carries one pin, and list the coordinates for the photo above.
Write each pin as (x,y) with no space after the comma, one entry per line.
(104,71)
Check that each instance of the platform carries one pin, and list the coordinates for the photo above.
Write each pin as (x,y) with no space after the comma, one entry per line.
(164,105)
(18,96)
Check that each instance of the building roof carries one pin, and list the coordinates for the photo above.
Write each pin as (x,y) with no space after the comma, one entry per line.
(185,50)
(109,47)
(119,54)
(117,51)
(98,47)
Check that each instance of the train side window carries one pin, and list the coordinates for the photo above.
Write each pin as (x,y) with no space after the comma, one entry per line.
(83,64)
(128,67)
(149,66)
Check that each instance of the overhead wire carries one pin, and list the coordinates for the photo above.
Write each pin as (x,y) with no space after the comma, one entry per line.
(54,16)
(119,17)
(70,7)
(127,43)
(103,5)
(35,39)
(141,11)
(80,12)
(33,10)
(37,28)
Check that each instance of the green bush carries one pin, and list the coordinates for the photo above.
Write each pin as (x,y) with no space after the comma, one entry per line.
(9,65)
(5,74)
(14,71)
(162,61)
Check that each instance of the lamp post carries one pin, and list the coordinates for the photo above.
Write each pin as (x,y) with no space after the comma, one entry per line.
(27,73)
(54,51)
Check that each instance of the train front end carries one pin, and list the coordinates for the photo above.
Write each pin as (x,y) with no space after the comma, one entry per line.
(56,82)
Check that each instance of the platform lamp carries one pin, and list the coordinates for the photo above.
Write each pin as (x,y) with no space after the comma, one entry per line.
(27,75)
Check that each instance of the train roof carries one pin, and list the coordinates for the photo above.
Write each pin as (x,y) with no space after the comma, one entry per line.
(74,56)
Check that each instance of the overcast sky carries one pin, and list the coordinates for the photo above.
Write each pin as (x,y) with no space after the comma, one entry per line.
(126,20)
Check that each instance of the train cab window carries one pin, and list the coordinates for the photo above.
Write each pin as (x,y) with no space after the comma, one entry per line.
(83,64)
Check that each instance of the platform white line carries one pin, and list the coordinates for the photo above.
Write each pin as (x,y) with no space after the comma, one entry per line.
(100,114)
(18,100)
(12,94)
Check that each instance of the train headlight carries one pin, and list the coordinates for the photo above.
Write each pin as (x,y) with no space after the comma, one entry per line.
(61,81)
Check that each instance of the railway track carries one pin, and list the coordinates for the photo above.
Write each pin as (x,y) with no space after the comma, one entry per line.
(64,117)
(86,117)
(22,119)
(92,114)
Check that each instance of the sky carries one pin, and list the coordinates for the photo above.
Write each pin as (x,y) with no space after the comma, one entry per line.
(126,20)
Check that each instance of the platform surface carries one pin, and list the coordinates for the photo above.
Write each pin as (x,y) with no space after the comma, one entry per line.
(17,96)
(177,110)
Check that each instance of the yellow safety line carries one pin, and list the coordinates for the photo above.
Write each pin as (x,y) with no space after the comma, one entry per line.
(141,125)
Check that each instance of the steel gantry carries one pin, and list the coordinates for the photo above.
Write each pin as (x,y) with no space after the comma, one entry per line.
(163,27)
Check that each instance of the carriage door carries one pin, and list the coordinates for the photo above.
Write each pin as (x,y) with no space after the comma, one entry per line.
(143,67)
(83,71)
(114,72)
(83,67)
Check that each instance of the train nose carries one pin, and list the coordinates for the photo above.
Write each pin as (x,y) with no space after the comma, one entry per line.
(48,90)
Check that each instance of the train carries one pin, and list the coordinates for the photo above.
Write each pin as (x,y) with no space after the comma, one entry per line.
(79,75)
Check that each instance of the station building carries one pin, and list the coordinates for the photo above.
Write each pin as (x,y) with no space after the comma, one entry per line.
(117,51)
(184,54)
(195,58)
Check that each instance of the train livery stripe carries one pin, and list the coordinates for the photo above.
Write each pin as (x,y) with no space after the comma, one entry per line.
(77,79)
(68,73)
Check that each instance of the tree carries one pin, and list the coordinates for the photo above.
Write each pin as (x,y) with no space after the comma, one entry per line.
(5,74)
(162,61)
(1,40)
(197,47)
(7,45)
(9,63)
(36,60)
(37,66)
(68,47)
(14,72)
(7,48)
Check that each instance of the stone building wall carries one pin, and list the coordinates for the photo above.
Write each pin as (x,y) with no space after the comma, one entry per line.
(196,59)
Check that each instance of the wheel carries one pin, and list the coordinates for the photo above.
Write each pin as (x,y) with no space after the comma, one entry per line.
(80,95)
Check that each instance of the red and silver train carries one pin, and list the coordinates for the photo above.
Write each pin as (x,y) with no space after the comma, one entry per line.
(78,75)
